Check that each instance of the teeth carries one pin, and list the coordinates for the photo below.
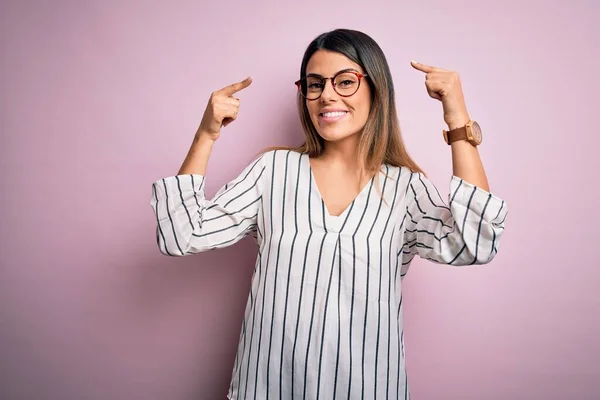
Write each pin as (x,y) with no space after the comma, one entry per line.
(334,114)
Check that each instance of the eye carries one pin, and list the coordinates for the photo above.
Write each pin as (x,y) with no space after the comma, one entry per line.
(345,80)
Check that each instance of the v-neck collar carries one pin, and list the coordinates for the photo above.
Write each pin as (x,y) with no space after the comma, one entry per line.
(336,222)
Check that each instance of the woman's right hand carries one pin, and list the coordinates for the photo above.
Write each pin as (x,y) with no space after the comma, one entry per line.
(221,110)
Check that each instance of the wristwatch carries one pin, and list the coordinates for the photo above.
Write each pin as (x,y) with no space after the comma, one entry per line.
(471,132)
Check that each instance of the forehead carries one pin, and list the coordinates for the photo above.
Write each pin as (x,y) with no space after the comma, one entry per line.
(327,63)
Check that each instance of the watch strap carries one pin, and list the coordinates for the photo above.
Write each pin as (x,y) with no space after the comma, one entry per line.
(457,134)
(462,133)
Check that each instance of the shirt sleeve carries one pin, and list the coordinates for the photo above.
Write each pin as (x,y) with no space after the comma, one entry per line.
(189,223)
(465,232)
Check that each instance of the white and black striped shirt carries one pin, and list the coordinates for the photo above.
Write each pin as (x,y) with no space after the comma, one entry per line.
(324,315)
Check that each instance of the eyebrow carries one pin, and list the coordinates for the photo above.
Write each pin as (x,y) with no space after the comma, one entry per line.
(343,70)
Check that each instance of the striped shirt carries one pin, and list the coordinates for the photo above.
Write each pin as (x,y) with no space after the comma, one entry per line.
(324,313)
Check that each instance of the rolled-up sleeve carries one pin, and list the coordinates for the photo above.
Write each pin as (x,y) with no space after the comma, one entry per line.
(189,223)
(465,230)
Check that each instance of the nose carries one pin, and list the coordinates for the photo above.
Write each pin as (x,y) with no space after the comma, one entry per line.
(328,92)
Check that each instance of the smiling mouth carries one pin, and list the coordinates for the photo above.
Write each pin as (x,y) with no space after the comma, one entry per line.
(333,114)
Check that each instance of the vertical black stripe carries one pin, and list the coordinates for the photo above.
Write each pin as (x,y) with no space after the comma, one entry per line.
(352,311)
(240,367)
(265,281)
(287,290)
(158,228)
(183,202)
(389,309)
(479,229)
(254,313)
(400,332)
(467,210)
(253,326)
(302,280)
(252,333)
(354,282)
(456,191)
(380,274)
(197,202)
(463,225)
(408,184)
(407,238)
(170,219)
(417,200)
(325,319)
(312,314)
(368,268)
(259,236)
(493,246)
(503,219)
(387,389)
(244,336)
(339,327)
(277,268)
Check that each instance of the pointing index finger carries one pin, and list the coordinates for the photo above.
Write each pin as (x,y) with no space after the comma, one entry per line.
(236,87)
(424,68)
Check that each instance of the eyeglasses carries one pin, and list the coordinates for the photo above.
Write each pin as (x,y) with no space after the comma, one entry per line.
(345,83)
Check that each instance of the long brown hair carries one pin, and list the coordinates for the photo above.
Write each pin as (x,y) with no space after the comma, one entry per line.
(381,141)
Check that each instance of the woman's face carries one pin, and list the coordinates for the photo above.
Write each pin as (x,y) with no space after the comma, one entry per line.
(336,117)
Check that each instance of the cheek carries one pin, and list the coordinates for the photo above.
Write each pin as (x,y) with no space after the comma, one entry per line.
(313,116)
(312,109)
(362,110)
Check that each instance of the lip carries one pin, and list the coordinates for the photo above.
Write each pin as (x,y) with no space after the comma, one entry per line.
(332,119)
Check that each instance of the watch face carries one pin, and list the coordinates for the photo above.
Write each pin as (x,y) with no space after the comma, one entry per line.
(477,132)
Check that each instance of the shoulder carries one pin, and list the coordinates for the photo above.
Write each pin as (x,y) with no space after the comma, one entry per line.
(412,184)
(278,157)
(405,176)
(280,161)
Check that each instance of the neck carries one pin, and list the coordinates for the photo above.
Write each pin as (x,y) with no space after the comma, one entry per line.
(343,153)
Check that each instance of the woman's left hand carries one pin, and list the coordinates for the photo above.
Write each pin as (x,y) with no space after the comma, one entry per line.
(445,86)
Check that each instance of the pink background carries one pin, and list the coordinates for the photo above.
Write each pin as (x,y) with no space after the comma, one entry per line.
(100,100)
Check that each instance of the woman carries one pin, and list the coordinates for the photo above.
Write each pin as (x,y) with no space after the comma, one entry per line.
(337,222)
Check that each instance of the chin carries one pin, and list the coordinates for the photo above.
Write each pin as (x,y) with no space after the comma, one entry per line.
(335,132)
(335,135)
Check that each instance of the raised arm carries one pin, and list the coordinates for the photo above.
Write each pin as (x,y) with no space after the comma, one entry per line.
(467,228)
(221,110)
(187,222)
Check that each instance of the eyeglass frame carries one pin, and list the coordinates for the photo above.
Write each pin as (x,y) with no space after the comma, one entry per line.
(359,75)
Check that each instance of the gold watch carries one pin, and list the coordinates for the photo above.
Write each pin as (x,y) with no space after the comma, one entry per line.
(471,132)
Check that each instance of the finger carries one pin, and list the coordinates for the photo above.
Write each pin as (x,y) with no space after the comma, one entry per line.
(229,120)
(236,87)
(438,77)
(437,86)
(424,68)
(229,115)
(434,89)
(227,101)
